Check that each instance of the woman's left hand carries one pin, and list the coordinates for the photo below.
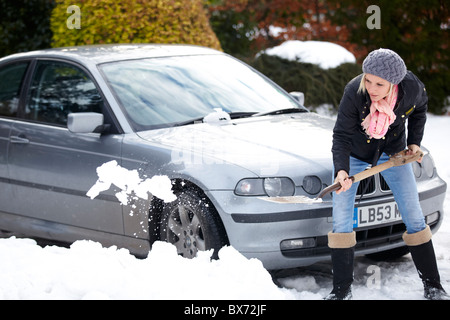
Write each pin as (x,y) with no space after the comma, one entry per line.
(413,149)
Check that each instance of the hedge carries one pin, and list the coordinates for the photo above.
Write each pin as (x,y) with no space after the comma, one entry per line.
(133,21)
(24,27)
(320,86)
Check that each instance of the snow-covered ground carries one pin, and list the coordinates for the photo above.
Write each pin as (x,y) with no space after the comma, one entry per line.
(86,270)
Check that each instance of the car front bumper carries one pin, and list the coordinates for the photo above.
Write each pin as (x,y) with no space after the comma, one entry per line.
(285,236)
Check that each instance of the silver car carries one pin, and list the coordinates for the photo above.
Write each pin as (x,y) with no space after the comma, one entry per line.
(226,136)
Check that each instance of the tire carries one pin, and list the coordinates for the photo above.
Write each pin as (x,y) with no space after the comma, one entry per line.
(191,224)
(389,255)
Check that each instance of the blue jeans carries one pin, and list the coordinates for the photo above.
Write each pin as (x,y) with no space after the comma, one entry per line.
(403,185)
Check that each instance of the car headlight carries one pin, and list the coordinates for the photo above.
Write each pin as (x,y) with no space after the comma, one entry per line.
(428,165)
(272,187)
(250,187)
(279,187)
(312,184)
(417,169)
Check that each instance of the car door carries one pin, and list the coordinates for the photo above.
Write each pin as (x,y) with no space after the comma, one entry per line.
(11,78)
(51,168)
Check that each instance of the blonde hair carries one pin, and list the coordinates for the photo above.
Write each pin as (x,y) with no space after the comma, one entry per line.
(362,85)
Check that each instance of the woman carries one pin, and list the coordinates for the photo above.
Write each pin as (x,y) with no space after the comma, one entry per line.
(370,127)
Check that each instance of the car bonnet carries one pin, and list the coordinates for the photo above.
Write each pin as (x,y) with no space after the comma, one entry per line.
(266,145)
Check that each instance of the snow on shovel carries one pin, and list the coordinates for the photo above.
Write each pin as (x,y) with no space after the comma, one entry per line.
(396,160)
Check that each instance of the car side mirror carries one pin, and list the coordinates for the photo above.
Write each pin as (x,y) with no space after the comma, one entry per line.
(85,122)
(299,96)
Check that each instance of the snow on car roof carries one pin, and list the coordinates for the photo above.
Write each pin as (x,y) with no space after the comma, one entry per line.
(114,52)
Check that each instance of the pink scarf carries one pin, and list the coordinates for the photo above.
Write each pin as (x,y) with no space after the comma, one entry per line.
(381,115)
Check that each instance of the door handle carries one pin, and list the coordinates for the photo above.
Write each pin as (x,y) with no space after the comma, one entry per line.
(21,139)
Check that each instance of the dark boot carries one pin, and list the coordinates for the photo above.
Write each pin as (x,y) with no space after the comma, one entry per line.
(422,252)
(342,255)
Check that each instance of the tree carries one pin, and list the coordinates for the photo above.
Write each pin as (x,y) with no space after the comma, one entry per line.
(24,25)
(245,27)
(234,26)
(133,21)
(417,30)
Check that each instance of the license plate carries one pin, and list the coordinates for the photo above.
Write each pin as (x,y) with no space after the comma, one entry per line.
(376,214)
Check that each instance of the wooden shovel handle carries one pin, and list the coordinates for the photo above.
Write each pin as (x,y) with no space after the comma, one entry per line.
(334,187)
(331,188)
(398,159)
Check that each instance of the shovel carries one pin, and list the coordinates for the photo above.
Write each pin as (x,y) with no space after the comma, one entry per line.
(396,160)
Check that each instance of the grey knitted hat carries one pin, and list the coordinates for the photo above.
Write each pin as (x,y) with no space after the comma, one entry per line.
(386,64)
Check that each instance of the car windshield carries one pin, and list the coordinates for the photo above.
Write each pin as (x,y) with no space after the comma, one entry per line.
(169,91)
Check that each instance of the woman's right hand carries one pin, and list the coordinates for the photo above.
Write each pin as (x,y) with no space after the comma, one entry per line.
(343,179)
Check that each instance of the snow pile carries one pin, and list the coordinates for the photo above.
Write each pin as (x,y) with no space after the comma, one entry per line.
(216,116)
(324,54)
(86,270)
(129,181)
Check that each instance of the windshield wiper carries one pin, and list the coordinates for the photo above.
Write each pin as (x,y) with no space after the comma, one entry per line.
(233,115)
(239,115)
(242,114)
(191,121)
(280,111)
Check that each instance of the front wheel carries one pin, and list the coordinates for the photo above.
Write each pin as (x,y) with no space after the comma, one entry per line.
(191,224)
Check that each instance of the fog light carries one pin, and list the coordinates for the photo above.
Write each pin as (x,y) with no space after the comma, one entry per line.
(298,243)
(432,217)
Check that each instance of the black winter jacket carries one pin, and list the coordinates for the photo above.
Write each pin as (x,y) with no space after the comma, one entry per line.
(349,137)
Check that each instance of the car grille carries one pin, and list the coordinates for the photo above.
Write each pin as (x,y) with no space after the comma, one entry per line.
(383,184)
(368,186)
(366,238)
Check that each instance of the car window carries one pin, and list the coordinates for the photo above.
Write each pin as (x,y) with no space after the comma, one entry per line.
(11,77)
(57,89)
(161,92)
